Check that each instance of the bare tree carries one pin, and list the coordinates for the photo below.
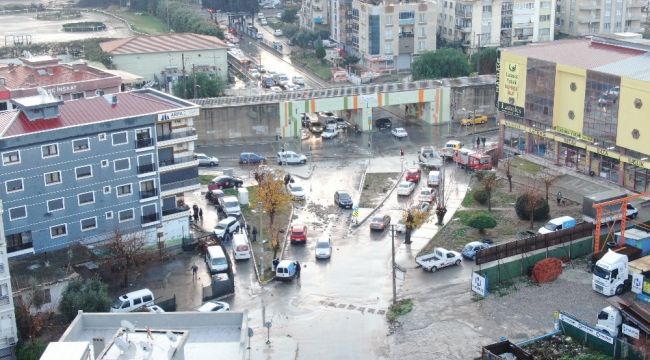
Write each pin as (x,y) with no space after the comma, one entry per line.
(490,182)
(548,179)
(508,165)
(446,188)
(533,200)
(127,248)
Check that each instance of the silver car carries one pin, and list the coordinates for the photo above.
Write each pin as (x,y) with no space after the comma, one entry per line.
(291,158)
(324,247)
(205,160)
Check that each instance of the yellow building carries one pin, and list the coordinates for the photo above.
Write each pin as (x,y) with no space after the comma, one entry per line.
(583,103)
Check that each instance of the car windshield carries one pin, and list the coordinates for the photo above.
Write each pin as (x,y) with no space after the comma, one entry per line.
(468,247)
(231,203)
(601,273)
(322,245)
(550,226)
(425,192)
(221,226)
(378,219)
(297,188)
(219,261)
(344,196)
(405,185)
(298,231)
(117,304)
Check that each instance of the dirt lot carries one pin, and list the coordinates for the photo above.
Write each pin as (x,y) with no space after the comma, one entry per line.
(375,187)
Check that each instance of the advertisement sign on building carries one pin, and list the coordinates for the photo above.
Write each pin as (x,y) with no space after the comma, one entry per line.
(178,114)
(511,80)
(479,284)
(630,331)
(637,283)
(586,328)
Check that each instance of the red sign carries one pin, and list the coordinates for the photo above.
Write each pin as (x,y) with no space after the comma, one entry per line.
(5,94)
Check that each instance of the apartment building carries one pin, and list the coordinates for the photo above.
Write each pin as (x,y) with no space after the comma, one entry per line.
(474,24)
(313,13)
(79,171)
(8,329)
(388,35)
(586,17)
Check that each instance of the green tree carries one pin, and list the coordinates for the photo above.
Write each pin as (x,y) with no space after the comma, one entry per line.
(320,52)
(350,60)
(485,61)
(206,86)
(30,350)
(89,296)
(444,63)
(481,221)
(289,16)
(531,206)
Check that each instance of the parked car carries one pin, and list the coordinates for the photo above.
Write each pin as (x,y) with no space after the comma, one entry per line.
(213,196)
(413,175)
(259,36)
(343,199)
(298,233)
(470,250)
(383,123)
(400,227)
(263,21)
(230,206)
(438,259)
(205,160)
(316,127)
(433,179)
(405,188)
(298,80)
(251,158)
(474,120)
(329,133)
(379,222)
(291,158)
(399,133)
(324,247)
(286,270)
(330,123)
(341,123)
(276,89)
(255,74)
(154,309)
(277,32)
(214,306)
(296,190)
(426,195)
(225,182)
(226,228)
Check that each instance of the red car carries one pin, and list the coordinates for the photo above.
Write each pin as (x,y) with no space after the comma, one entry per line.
(298,233)
(413,175)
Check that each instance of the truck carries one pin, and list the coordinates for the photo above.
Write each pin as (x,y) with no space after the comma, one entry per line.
(447,152)
(611,318)
(429,158)
(472,160)
(611,273)
(610,213)
(438,259)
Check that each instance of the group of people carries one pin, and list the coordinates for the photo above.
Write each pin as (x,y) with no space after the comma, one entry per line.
(197,213)
(480,140)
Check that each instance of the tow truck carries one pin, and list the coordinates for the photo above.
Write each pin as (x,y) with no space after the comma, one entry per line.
(472,160)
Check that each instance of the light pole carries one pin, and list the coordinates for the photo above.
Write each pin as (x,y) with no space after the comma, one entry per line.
(259,205)
(392,247)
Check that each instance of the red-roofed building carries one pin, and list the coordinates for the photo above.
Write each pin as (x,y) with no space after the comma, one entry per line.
(161,57)
(64,81)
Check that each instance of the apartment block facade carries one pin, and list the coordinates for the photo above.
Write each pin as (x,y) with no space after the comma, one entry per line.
(77,172)
(475,24)
(8,329)
(314,12)
(389,35)
(587,17)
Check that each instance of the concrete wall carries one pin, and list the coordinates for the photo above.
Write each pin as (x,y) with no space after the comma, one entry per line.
(238,122)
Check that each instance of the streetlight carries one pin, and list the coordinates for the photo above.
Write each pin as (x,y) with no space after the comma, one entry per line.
(259,205)
(392,247)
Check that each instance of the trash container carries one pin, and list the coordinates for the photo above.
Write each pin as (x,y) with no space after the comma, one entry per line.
(243,196)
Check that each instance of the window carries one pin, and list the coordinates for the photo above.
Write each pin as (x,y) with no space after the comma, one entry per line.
(147,189)
(76,96)
(406,15)
(109,215)
(149,213)
(147,298)
(120,138)
(55,205)
(388,34)
(83,172)
(104,163)
(58,231)
(107,189)
(11,157)
(123,190)
(19,212)
(389,20)
(137,301)
(88,224)
(423,32)
(121,165)
(423,18)
(52,178)
(86,198)
(143,138)
(126,215)
(80,145)
(49,150)
(420,45)
(14,185)
(101,136)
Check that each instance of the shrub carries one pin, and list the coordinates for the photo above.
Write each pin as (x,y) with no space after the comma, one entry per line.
(480,195)
(30,350)
(89,296)
(526,201)
(481,221)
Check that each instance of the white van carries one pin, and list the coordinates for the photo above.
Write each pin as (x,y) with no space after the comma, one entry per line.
(216,259)
(133,301)
(434,178)
(241,249)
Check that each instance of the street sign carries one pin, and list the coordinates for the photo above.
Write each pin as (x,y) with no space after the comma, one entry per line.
(479,284)
(355,213)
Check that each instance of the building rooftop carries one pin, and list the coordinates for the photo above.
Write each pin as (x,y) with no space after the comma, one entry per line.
(91,110)
(198,335)
(612,55)
(162,43)
(46,71)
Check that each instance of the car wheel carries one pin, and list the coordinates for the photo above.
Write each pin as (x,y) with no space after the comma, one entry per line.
(244,162)
(212,163)
(457,262)
(619,289)
(433,269)
(303,162)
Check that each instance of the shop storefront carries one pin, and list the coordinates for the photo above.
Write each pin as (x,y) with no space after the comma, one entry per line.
(636,178)
(573,157)
(605,167)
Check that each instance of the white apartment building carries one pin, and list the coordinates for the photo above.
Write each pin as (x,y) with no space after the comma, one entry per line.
(313,13)
(8,330)
(474,24)
(585,17)
(388,35)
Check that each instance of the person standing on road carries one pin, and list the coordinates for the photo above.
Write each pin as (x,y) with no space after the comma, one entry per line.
(195,272)
(483,141)
(201,215)
(254,233)
(297,270)
(559,198)
(478,142)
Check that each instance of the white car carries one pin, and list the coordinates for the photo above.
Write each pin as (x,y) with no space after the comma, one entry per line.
(255,74)
(399,133)
(214,306)
(154,309)
(405,188)
(291,158)
(226,228)
(230,205)
(259,36)
(263,21)
(277,32)
(324,247)
(297,191)
(276,89)
(205,160)
(400,227)
(426,195)
(298,80)
(329,133)
(439,259)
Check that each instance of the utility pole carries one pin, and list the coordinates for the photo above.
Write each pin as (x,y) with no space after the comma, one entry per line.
(194,76)
(392,247)
(259,205)
(184,77)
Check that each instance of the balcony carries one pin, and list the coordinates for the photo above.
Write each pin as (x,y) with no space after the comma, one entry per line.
(176,137)
(4,300)
(179,187)
(145,194)
(20,249)
(143,143)
(146,168)
(408,21)
(175,213)
(177,163)
(149,218)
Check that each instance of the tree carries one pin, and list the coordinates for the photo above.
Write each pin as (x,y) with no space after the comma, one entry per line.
(320,52)
(485,61)
(30,350)
(489,183)
(548,179)
(509,173)
(289,16)
(531,205)
(444,63)
(127,249)
(274,197)
(350,60)
(481,221)
(413,218)
(205,86)
(87,295)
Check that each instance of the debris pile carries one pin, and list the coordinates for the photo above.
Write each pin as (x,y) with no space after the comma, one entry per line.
(547,270)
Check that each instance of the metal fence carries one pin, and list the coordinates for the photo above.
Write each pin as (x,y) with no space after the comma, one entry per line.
(533,243)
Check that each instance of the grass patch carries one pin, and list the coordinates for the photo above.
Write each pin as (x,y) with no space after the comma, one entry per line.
(205,179)
(468,200)
(375,187)
(400,308)
(309,60)
(504,288)
(145,23)
(526,166)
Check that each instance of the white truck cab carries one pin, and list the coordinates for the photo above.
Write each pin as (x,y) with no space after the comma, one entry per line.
(609,321)
(611,274)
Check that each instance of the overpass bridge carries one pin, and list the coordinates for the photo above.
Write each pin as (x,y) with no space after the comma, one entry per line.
(432,101)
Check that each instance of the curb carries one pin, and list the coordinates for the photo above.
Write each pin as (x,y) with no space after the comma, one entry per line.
(286,235)
(360,222)
(311,172)
(284,245)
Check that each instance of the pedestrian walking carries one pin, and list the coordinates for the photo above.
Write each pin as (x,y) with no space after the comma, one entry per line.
(559,198)
(478,142)
(483,141)
(195,272)
(254,234)
(201,215)
(297,270)
(276,262)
